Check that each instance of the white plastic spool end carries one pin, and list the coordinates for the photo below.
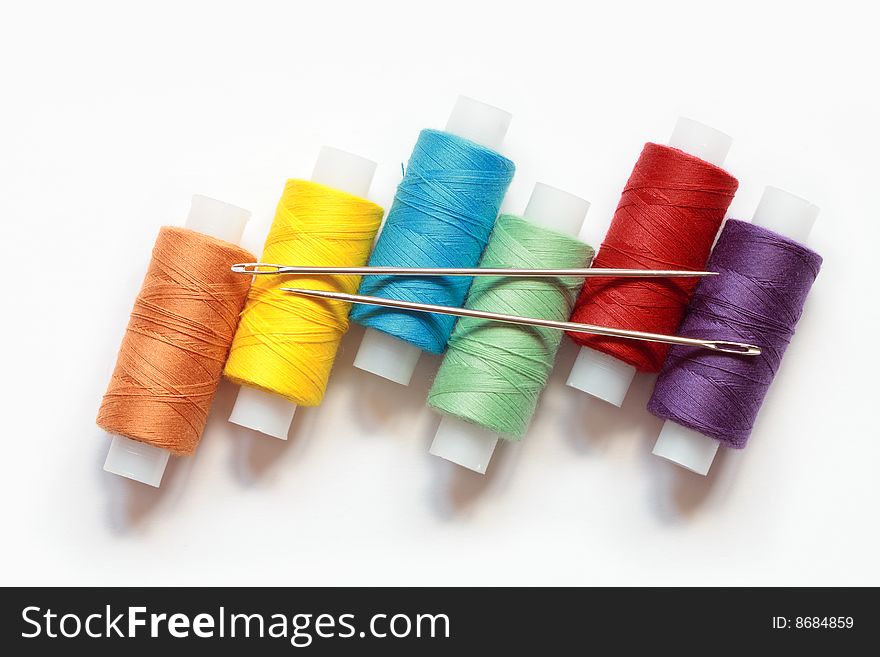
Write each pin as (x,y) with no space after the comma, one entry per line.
(463,443)
(217,219)
(783,213)
(700,140)
(555,209)
(470,445)
(786,214)
(386,356)
(137,460)
(601,376)
(263,411)
(344,171)
(688,448)
(480,123)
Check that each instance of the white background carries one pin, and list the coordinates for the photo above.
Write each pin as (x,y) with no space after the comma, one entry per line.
(112,116)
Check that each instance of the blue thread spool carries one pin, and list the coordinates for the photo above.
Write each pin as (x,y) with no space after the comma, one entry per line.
(442,215)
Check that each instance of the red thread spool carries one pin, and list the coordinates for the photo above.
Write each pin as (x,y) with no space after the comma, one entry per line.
(669,213)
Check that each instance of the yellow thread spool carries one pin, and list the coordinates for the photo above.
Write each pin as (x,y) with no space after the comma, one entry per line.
(286,344)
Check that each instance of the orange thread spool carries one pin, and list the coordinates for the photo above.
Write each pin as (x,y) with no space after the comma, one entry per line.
(177,341)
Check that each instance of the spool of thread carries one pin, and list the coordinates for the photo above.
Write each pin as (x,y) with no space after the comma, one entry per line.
(442,216)
(765,274)
(492,375)
(178,337)
(285,345)
(668,216)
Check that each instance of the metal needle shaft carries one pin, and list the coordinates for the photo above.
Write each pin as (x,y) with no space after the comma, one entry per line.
(259,268)
(724,346)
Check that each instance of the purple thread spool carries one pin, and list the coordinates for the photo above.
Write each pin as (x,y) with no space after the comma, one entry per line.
(765,275)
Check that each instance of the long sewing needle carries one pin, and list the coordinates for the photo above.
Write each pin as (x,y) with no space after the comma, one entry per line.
(259,268)
(724,346)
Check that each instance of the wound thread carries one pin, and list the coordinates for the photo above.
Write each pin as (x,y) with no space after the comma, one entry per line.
(493,373)
(442,216)
(176,342)
(668,215)
(758,297)
(286,344)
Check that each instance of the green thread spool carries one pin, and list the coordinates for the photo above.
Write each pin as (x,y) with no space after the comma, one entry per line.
(493,373)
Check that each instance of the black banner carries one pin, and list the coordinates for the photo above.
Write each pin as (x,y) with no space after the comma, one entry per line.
(434,621)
